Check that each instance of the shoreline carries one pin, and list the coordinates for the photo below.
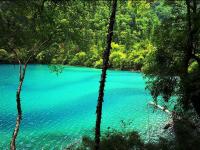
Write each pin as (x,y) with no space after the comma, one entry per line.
(112,69)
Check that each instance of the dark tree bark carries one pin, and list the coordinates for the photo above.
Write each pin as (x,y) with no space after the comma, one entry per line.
(103,75)
(193,31)
(22,71)
(187,86)
(186,59)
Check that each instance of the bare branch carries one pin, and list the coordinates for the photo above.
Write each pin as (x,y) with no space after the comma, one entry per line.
(36,47)
(28,59)
(17,57)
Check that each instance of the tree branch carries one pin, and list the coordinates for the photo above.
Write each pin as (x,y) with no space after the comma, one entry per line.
(36,47)
(17,57)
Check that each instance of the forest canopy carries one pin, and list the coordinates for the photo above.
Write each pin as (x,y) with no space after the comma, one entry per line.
(160,38)
(76,31)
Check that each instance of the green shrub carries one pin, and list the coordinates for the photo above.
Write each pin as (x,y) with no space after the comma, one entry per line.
(3,54)
(117,59)
(79,59)
(93,56)
(98,63)
(114,141)
(193,67)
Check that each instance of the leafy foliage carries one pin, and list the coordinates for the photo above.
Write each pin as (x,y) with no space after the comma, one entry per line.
(78,28)
(171,69)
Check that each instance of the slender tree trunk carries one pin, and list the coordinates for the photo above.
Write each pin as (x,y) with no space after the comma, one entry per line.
(189,54)
(193,28)
(19,110)
(187,57)
(103,75)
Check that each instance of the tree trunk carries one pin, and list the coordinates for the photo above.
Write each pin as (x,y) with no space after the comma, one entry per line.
(19,110)
(186,59)
(103,75)
(189,54)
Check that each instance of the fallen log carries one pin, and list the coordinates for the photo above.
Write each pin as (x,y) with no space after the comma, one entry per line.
(175,117)
(170,123)
(160,107)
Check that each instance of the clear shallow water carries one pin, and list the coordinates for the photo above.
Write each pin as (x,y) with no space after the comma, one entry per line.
(58,110)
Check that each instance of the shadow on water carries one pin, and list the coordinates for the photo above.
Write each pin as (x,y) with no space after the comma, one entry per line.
(40,118)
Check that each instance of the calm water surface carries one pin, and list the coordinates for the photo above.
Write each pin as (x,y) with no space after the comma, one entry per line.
(59,109)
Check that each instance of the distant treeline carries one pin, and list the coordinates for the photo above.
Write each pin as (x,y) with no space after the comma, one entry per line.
(77,32)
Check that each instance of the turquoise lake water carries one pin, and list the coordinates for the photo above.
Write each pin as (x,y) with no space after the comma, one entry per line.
(59,109)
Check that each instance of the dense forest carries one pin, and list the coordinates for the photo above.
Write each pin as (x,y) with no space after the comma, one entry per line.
(159,38)
(74,32)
